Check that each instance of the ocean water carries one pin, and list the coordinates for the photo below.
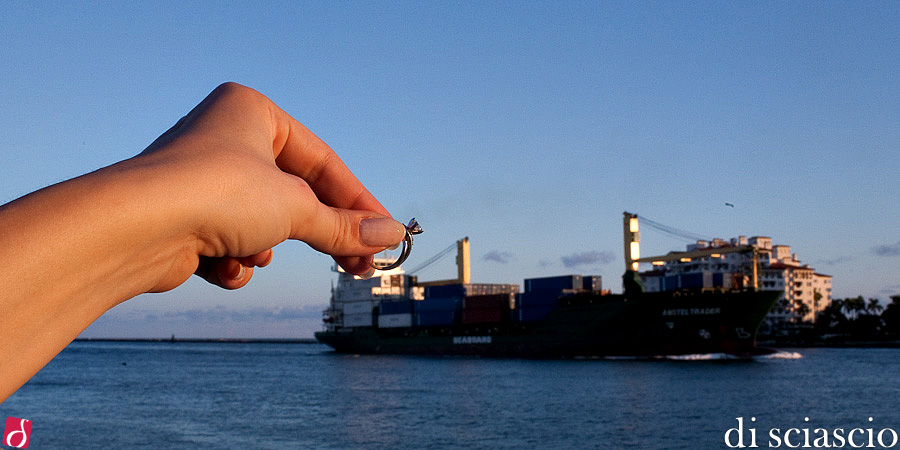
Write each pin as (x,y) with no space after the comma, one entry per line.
(126,395)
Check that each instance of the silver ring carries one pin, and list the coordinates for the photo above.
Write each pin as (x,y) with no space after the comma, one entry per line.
(411,229)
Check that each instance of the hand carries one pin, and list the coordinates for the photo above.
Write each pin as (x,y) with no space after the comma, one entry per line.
(245,176)
(211,196)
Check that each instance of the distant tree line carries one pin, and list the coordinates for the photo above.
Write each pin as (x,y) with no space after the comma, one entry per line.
(843,321)
(858,318)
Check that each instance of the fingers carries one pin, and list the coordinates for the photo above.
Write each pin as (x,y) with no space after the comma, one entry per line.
(357,265)
(261,259)
(232,273)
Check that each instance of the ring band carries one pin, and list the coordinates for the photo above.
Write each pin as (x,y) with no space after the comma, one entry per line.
(411,229)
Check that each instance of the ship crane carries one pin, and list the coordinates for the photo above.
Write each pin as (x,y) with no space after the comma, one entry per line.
(633,251)
(464,272)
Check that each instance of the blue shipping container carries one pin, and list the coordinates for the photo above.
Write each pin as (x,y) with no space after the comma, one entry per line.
(447,290)
(438,304)
(593,283)
(533,314)
(400,307)
(717,279)
(436,318)
(671,283)
(554,284)
(692,281)
(533,299)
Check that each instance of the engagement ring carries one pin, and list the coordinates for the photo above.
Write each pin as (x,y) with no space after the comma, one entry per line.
(411,229)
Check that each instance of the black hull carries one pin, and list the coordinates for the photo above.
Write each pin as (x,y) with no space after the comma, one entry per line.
(588,325)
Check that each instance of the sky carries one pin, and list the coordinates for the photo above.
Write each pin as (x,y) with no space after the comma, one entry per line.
(527,126)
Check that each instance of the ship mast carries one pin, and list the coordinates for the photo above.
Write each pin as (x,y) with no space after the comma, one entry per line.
(632,241)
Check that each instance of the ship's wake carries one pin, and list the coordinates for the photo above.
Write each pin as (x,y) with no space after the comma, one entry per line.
(782,355)
(728,356)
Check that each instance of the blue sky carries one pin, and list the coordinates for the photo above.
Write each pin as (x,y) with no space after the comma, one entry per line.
(528,127)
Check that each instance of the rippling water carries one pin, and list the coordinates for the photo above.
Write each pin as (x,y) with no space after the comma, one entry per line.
(276,396)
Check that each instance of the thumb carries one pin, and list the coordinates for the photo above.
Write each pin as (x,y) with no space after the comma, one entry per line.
(347,232)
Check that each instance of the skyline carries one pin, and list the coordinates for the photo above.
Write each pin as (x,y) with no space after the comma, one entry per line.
(527,127)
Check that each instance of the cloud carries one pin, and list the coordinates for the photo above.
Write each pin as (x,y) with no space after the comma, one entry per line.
(835,261)
(220,314)
(588,258)
(498,256)
(887,250)
(891,290)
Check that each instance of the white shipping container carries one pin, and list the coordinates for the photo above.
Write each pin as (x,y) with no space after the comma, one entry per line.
(395,321)
(391,281)
(358,320)
(364,307)
(387,291)
(356,294)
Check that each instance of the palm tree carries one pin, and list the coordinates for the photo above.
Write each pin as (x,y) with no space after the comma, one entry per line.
(817,297)
(874,307)
(891,315)
(801,309)
(852,307)
(832,317)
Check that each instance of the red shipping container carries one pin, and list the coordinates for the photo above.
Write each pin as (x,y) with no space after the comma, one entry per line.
(496,301)
(484,315)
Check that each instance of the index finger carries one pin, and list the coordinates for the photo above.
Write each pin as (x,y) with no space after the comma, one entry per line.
(300,152)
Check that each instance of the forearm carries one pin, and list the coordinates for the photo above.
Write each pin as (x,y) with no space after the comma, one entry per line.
(75,250)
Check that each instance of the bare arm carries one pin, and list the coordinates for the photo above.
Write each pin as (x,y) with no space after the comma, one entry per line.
(211,196)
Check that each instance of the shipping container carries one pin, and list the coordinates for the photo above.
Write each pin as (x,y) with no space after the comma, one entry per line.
(447,290)
(471,316)
(355,294)
(364,307)
(671,283)
(436,318)
(691,281)
(697,280)
(396,307)
(554,284)
(358,320)
(593,283)
(438,304)
(388,281)
(394,291)
(469,289)
(537,299)
(495,301)
(395,320)
(533,313)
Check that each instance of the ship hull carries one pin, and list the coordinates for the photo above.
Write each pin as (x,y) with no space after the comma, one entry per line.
(588,325)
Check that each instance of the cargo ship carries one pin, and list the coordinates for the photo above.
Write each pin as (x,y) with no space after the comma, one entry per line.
(567,316)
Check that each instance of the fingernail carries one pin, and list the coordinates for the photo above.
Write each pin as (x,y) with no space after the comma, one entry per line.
(369,274)
(240,272)
(380,232)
